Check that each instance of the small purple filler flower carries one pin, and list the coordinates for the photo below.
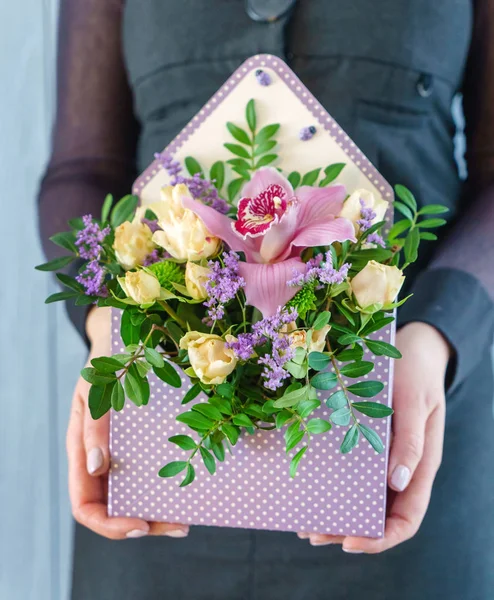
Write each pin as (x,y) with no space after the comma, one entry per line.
(89,239)
(306,133)
(262,77)
(320,270)
(222,286)
(93,279)
(367,216)
(375,238)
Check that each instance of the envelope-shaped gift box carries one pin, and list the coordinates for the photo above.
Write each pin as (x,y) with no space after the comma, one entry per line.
(334,493)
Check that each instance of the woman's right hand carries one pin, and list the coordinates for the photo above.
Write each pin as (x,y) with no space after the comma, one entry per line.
(89,457)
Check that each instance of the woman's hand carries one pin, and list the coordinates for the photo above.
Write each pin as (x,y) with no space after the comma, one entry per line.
(89,457)
(418,432)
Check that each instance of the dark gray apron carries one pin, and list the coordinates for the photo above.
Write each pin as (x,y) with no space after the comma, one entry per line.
(387,70)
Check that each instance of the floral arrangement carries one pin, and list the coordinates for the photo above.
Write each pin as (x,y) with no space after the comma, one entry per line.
(264,291)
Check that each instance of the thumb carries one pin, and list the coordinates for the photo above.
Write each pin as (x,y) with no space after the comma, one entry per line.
(96,442)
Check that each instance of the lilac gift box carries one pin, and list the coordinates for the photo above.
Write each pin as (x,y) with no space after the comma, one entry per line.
(331,493)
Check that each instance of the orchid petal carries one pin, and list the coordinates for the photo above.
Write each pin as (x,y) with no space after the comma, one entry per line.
(319,204)
(276,243)
(266,284)
(323,233)
(262,179)
(221,226)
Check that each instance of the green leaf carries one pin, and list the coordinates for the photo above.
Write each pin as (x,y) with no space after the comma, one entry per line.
(372,437)
(226,390)
(56,263)
(357,369)
(398,228)
(293,440)
(346,313)
(431,223)
(65,239)
(136,387)
(99,400)
(406,196)
(265,147)
(106,364)
(318,426)
(267,159)
(143,367)
(341,416)
(237,150)
(129,333)
(266,133)
(94,377)
(324,381)
(305,407)
(117,396)
(105,209)
(318,361)
(310,178)
(331,172)
(219,451)
(412,245)
(192,166)
(209,411)
(70,282)
(239,134)
(366,389)
(337,400)
(426,235)
(294,178)
(123,210)
(405,211)
(173,468)
(281,418)
(292,397)
(375,326)
(234,188)
(168,374)
(183,441)
(295,461)
(250,115)
(195,420)
(84,300)
(239,162)
(208,459)
(348,338)
(189,477)
(296,370)
(382,348)
(231,432)
(376,410)
(322,319)
(194,391)
(58,296)
(154,358)
(353,354)
(222,404)
(242,420)
(433,209)
(350,440)
(217,174)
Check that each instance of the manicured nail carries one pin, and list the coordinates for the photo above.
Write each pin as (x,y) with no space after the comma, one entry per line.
(352,550)
(400,477)
(137,533)
(302,535)
(177,533)
(320,542)
(94,460)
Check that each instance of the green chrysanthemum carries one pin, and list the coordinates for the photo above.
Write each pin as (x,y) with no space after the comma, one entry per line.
(304,300)
(168,272)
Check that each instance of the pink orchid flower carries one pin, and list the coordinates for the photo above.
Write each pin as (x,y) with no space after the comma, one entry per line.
(274,224)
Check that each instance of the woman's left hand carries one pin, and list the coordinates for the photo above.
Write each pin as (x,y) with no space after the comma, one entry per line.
(418,432)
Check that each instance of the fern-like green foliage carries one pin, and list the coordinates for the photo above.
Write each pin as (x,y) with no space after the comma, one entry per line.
(168,272)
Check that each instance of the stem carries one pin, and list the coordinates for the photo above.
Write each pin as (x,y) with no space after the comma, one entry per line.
(169,310)
(340,381)
(300,420)
(138,354)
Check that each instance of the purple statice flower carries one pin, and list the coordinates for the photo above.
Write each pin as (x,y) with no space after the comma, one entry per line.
(154,257)
(375,238)
(328,274)
(200,188)
(262,77)
(93,279)
(244,346)
(320,271)
(367,216)
(222,286)
(153,225)
(306,133)
(89,240)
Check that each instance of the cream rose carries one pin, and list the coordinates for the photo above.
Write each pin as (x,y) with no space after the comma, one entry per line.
(133,242)
(298,337)
(211,360)
(352,207)
(141,286)
(182,234)
(195,280)
(318,341)
(377,284)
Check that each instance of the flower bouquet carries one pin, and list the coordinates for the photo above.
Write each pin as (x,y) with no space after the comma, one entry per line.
(266,289)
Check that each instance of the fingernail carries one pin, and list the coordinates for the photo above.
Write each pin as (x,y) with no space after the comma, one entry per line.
(303,536)
(94,460)
(137,533)
(177,533)
(316,541)
(400,477)
(352,550)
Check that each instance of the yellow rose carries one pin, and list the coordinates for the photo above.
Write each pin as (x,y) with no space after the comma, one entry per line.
(352,206)
(182,234)
(195,280)
(377,284)
(141,286)
(211,360)
(318,341)
(133,242)
(298,337)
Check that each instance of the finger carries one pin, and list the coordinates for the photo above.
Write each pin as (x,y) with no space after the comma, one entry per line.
(96,442)
(319,539)
(408,441)
(409,507)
